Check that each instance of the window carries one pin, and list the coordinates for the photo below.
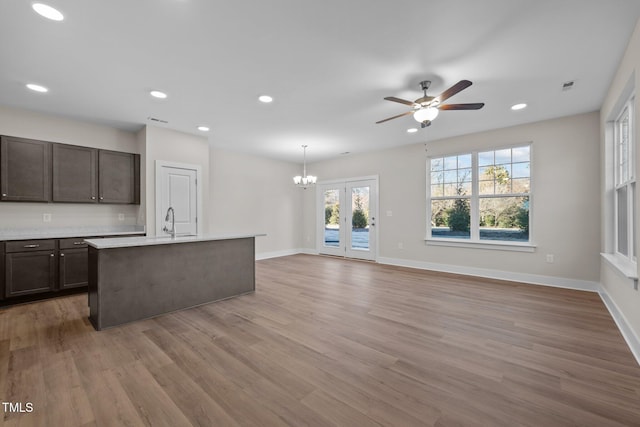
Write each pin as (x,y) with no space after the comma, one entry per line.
(482,196)
(625,184)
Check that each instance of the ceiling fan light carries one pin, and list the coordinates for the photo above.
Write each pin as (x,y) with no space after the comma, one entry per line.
(425,114)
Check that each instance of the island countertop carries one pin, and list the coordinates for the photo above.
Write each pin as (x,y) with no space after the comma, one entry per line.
(125,242)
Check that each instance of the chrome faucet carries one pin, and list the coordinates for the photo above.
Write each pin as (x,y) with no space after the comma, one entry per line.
(173,223)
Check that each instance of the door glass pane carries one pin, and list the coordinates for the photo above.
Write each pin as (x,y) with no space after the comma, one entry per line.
(360,218)
(332,218)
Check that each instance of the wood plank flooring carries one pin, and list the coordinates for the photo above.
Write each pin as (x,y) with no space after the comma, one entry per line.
(325,342)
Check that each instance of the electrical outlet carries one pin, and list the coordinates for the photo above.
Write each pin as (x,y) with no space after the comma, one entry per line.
(389,213)
(550,258)
(120,217)
(46,217)
(400,245)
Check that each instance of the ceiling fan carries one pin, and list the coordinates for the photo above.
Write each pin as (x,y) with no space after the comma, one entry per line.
(425,109)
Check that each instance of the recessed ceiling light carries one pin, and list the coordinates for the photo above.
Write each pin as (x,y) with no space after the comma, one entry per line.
(412,130)
(158,94)
(265,98)
(37,88)
(518,106)
(47,11)
(203,128)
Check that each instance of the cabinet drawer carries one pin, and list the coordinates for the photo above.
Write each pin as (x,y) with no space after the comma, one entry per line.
(73,243)
(30,245)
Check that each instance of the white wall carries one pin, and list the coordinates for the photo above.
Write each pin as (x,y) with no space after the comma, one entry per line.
(255,194)
(619,289)
(565,207)
(172,146)
(27,124)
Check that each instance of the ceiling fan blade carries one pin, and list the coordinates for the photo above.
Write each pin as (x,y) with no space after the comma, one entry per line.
(401,101)
(475,106)
(395,117)
(461,85)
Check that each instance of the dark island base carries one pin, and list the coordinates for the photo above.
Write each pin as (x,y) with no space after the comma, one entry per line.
(134,283)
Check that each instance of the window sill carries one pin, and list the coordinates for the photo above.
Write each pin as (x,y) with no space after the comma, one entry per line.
(627,268)
(496,246)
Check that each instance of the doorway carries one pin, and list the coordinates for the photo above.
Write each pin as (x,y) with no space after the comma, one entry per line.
(177,187)
(347,218)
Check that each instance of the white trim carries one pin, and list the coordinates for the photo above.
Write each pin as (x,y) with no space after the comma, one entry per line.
(341,181)
(475,197)
(199,200)
(497,246)
(633,341)
(534,279)
(622,265)
(374,250)
(276,254)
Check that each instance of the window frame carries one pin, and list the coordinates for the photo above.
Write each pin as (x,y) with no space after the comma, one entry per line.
(474,240)
(626,182)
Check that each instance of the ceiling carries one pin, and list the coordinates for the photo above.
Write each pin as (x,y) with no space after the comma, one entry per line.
(327,64)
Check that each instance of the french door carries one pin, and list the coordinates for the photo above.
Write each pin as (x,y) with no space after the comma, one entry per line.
(347,218)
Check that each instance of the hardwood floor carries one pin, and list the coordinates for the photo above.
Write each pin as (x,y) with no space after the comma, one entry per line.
(324,342)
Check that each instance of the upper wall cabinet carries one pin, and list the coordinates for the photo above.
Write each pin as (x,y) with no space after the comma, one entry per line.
(25,170)
(40,171)
(119,174)
(75,174)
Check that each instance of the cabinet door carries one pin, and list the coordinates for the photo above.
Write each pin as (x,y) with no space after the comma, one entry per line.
(74,268)
(75,174)
(25,170)
(2,277)
(29,272)
(119,177)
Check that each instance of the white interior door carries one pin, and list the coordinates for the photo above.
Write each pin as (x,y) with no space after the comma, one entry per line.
(347,218)
(177,187)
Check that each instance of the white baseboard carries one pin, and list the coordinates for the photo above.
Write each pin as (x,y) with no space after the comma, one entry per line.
(535,279)
(287,252)
(627,332)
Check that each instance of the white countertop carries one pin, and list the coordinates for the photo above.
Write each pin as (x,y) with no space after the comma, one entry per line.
(125,242)
(7,234)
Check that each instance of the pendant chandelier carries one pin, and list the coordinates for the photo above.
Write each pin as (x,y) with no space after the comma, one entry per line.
(305,180)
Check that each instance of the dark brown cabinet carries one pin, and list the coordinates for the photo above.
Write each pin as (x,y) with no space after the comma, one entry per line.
(119,174)
(73,261)
(75,175)
(40,171)
(25,170)
(30,267)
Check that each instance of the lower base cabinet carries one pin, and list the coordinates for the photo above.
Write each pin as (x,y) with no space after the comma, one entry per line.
(29,273)
(42,266)
(73,267)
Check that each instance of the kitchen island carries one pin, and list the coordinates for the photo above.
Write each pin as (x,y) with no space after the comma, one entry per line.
(136,278)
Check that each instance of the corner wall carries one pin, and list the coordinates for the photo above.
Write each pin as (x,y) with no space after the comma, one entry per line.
(624,300)
(256,195)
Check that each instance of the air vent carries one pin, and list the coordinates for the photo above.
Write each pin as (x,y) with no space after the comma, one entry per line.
(567,85)
(153,119)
